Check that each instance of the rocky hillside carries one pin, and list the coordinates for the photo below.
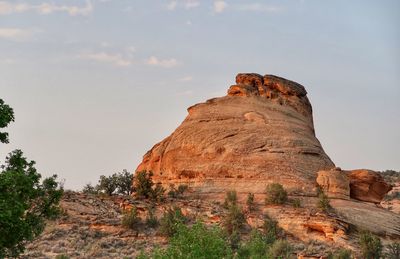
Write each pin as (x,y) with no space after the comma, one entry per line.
(90,226)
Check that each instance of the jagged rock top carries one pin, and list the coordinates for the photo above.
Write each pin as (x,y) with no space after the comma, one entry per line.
(267,85)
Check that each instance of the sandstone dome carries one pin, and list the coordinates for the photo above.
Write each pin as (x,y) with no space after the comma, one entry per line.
(261,132)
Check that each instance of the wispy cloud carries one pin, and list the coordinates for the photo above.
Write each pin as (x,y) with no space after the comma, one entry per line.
(185,79)
(167,63)
(189,4)
(7,7)
(220,6)
(186,4)
(172,5)
(258,7)
(111,58)
(16,34)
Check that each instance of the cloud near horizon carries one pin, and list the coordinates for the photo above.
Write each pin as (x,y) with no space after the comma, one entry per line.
(167,63)
(220,6)
(7,8)
(104,57)
(16,34)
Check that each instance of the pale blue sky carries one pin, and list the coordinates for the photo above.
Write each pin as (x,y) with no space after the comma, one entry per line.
(94,84)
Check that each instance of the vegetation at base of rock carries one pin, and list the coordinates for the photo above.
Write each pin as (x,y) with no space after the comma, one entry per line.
(393,251)
(256,247)
(391,176)
(324,202)
(275,194)
(143,186)
(340,254)
(371,246)
(177,192)
(280,249)
(234,220)
(6,116)
(250,202)
(296,203)
(25,203)
(271,229)
(131,219)
(170,221)
(151,219)
(230,199)
(62,256)
(197,241)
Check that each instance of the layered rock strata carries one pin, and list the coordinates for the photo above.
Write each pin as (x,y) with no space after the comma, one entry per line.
(261,132)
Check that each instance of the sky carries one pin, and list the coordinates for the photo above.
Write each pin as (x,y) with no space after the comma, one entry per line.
(94,84)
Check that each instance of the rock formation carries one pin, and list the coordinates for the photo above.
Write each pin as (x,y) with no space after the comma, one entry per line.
(261,132)
(361,184)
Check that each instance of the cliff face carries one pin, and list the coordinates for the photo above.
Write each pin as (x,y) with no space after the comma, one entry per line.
(261,132)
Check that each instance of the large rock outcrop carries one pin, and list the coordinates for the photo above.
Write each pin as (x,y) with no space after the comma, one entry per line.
(361,184)
(261,132)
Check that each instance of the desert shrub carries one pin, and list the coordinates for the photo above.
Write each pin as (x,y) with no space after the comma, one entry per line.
(108,184)
(392,196)
(275,194)
(271,229)
(89,189)
(393,251)
(143,184)
(371,246)
(296,203)
(280,249)
(62,256)
(151,219)
(324,202)
(131,219)
(230,199)
(340,254)
(124,182)
(157,193)
(172,193)
(233,224)
(250,202)
(256,247)
(182,188)
(197,241)
(170,221)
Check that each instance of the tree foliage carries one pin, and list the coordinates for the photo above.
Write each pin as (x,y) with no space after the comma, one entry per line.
(25,203)
(275,194)
(6,116)
(371,246)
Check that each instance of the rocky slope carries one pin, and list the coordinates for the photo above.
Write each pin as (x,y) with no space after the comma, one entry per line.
(261,132)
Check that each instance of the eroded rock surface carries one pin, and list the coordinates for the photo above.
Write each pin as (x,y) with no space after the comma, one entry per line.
(367,185)
(261,132)
(335,183)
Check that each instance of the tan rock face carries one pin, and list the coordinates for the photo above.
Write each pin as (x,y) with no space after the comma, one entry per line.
(261,132)
(367,185)
(335,183)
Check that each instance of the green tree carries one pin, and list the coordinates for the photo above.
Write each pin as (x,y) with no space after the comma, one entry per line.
(143,184)
(108,184)
(124,182)
(6,116)
(25,203)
